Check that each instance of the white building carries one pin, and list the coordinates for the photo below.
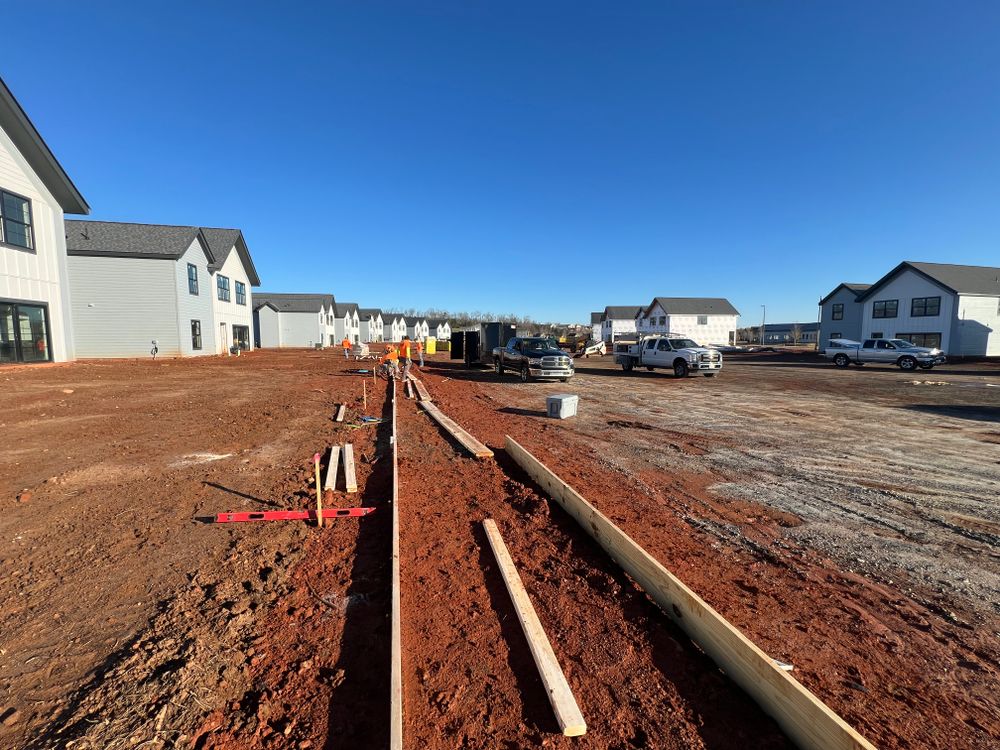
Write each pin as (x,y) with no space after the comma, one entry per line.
(395,327)
(619,321)
(439,329)
(840,313)
(35,192)
(955,308)
(347,322)
(706,320)
(596,323)
(294,320)
(133,284)
(417,329)
(372,327)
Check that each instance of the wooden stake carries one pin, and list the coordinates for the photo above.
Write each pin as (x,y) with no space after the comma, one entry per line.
(319,494)
(364,393)
(350,481)
(560,695)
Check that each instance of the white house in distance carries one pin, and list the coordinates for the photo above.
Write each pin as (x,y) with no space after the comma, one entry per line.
(439,328)
(706,320)
(347,322)
(596,321)
(294,320)
(618,321)
(840,313)
(133,284)
(35,193)
(417,329)
(395,327)
(371,325)
(955,308)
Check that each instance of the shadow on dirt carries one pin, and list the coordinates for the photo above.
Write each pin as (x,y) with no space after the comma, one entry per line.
(974,413)
(523,412)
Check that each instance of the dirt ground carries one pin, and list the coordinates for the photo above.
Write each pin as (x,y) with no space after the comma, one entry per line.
(845,520)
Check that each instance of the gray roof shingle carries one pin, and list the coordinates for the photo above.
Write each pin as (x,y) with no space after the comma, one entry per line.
(343,308)
(621,312)
(369,312)
(596,317)
(224,241)
(125,240)
(293,303)
(693,306)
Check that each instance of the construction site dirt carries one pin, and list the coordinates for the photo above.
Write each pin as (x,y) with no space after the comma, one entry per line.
(845,521)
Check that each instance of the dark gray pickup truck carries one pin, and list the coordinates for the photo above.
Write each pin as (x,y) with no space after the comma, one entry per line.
(534,357)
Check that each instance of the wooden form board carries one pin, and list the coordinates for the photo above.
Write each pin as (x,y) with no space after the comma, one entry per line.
(807,721)
(350,480)
(470,443)
(340,412)
(422,393)
(396,656)
(409,389)
(560,695)
(332,468)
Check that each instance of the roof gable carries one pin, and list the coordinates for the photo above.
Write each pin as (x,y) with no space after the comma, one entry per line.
(621,312)
(692,306)
(346,308)
(21,131)
(294,303)
(222,242)
(857,289)
(125,240)
(980,280)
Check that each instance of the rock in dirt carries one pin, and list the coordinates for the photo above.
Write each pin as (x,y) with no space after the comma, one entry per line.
(10,717)
(24,497)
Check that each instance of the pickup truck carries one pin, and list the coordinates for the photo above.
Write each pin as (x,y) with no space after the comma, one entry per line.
(535,357)
(900,352)
(676,353)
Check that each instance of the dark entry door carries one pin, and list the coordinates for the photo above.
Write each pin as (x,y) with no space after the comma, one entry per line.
(241,337)
(24,333)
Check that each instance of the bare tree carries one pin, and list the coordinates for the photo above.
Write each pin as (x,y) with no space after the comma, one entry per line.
(796,334)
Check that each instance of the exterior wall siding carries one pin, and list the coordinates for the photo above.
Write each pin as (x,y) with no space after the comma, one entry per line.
(850,326)
(904,288)
(977,327)
(194,306)
(720,329)
(617,327)
(267,328)
(37,276)
(229,312)
(119,306)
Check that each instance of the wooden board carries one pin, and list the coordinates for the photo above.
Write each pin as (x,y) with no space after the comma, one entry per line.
(807,721)
(422,393)
(395,648)
(409,389)
(560,695)
(332,468)
(340,413)
(350,481)
(470,443)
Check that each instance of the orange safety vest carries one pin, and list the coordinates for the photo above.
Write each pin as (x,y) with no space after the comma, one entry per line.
(346,343)
(390,355)
(404,349)
(420,346)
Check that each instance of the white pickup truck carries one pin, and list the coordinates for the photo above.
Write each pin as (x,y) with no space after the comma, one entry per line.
(677,353)
(900,352)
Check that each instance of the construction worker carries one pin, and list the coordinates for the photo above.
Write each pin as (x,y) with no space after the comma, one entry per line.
(390,358)
(420,351)
(346,343)
(404,354)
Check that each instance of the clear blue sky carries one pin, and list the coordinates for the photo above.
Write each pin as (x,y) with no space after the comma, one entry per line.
(545,158)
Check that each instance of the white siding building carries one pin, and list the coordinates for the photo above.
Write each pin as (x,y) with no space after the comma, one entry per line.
(347,322)
(417,329)
(294,320)
(619,321)
(955,308)
(372,326)
(706,320)
(232,300)
(133,284)
(840,313)
(395,327)
(35,192)
(596,323)
(439,329)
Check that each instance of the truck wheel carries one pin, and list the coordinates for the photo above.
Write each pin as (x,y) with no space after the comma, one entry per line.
(563,380)
(498,367)
(680,369)
(524,373)
(926,367)
(709,374)
(907,363)
(842,360)
(627,365)
(649,368)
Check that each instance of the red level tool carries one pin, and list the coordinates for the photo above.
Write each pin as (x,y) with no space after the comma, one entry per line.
(291,515)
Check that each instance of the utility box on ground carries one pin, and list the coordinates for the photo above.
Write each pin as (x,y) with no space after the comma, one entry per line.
(562,405)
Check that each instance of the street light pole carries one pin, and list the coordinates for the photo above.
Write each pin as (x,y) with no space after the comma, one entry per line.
(763,319)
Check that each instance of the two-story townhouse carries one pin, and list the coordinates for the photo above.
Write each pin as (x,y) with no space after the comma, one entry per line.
(135,284)
(347,322)
(35,194)
(596,325)
(232,300)
(417,329)
(395,327)
(372,328)
(439,328)
(953,307)
(840,313)
(294,320)
(706,320)
(619,321)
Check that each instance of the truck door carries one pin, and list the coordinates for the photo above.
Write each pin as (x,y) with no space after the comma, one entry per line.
(867,351)
(512,351)
(664,354)
(885,351)
(648,352)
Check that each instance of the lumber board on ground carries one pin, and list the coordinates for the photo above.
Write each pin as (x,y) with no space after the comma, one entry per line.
(395,647)
(422,393)
(340,412)
(807,721)
(409,389)
(470,443)
(332,468)
(350,480)
(560,695)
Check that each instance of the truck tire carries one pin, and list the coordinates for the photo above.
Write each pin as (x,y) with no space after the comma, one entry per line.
(627,365)
(842,360)
(498,367)
(563,380)
(709,374)
(926,367)
(650,368)
(680,368)
(907,363)
(524,374)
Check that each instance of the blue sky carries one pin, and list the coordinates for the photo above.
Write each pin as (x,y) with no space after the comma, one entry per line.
(543,158)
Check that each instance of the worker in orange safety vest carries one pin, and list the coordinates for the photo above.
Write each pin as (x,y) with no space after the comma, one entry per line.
(420,351)
(390,358)
(346,343)
(404,354)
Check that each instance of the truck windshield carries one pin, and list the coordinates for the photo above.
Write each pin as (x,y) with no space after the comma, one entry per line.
(682,344)
(902,343)
(539,345)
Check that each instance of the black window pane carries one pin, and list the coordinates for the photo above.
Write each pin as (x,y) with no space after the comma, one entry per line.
(16,208)
(15,233)
(8,344)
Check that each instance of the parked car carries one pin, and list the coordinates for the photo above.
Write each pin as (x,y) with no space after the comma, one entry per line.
(904,354)
(533,357)
(677,353)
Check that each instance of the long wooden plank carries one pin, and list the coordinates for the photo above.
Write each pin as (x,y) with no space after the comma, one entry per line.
(807,721)
(332,468)
(409,389)
(422,393)
(396,657)
(560,695)
(350,481)
(340,412)
(470,443)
